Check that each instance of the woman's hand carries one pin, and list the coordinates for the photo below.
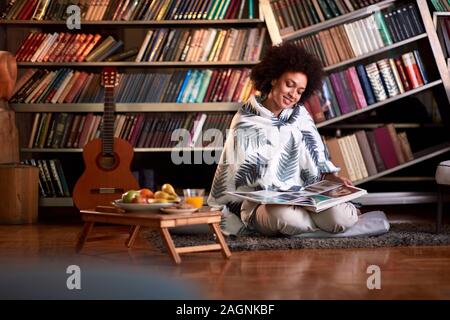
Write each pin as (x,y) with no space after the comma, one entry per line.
(335,177)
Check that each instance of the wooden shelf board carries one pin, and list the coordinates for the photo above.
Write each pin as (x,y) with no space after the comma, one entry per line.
(397,198)
(51,150)
(360,13)
(138,23)
(418,157)
(55,202)
(78,150)
(405,179)
(376,125)
(441,14)
(437,15)
(128,107)
(379,104)
(146,64)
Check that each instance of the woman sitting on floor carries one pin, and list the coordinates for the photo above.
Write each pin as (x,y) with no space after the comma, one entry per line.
(273,144)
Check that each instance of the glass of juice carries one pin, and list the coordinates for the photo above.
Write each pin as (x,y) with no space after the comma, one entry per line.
(194,197)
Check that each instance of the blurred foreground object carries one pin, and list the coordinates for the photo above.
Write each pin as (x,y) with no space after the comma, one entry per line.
(9,137)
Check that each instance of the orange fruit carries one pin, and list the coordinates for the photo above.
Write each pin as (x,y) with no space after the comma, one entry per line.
(146,193)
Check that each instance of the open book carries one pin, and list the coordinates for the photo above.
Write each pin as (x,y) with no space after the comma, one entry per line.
(315,197)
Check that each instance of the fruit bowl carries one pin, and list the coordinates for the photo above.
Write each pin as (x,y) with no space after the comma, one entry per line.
(142,206)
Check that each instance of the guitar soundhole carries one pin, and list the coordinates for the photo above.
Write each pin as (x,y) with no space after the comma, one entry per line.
(108,162)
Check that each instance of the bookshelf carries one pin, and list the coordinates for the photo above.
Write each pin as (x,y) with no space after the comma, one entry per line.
(438,87)
(376,52)
(146,23)
(133,33)
(427,42)
(125,107)
(437,15)
(135,64)
(379,104)
(278,37)
(79,150)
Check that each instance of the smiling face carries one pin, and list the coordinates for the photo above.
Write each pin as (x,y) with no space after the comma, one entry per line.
(287,90)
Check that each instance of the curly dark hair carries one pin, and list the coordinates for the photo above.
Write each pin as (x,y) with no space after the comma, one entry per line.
(287,57)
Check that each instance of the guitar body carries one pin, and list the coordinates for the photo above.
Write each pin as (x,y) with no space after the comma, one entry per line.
(105,178)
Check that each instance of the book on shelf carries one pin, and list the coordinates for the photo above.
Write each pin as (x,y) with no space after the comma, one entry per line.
(64,130)
(125,10)
(292,15)
(365,153)
(188,86)
(52,181)
(336,154)
(441,5)
(122,56)
(405,147)
(315,197)
(349,40)
(360,86)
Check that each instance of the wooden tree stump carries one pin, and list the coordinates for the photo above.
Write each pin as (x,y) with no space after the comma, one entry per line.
(19,189)
(9,136)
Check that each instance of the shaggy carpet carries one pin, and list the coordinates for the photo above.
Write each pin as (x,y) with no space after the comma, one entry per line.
(400,234)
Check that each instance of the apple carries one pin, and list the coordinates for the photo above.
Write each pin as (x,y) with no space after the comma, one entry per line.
(128,196)
(139,199)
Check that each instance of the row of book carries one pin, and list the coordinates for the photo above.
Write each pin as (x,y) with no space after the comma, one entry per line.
(66,47)
(202,45)
(125,10)
(158,45)
(52,182)
(69,130)
(366,153)
(443,32)
(441,5)
(363,36)
(292,15)
(183,86)
(362,85)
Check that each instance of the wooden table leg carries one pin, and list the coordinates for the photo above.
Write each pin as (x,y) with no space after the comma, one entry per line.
(87,228)
(225,250)
(133,234)
(170,245)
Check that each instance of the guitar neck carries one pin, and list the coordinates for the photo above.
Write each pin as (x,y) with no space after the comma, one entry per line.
(108,122)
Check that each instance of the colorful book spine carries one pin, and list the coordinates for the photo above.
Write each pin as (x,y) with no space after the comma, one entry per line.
(388,78)
(375,82)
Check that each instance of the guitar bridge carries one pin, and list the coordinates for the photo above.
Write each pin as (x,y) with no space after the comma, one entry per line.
(107,190)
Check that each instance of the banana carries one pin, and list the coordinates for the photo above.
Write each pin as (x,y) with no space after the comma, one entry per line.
(160,200)
(167,188)
(161,195)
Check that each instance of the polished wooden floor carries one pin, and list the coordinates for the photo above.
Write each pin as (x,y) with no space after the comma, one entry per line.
(406,272)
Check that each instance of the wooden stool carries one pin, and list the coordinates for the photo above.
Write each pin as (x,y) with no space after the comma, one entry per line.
(155,220)
(19,185)
(9,136)
(443,182)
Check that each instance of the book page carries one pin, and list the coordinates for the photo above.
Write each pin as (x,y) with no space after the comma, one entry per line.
(318,196)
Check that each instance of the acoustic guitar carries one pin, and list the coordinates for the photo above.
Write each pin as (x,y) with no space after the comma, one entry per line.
(107,160)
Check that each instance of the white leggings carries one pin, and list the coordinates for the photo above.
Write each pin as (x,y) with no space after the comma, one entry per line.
(271,219)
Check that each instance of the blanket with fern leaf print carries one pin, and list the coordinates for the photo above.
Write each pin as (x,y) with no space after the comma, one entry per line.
(263,151)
